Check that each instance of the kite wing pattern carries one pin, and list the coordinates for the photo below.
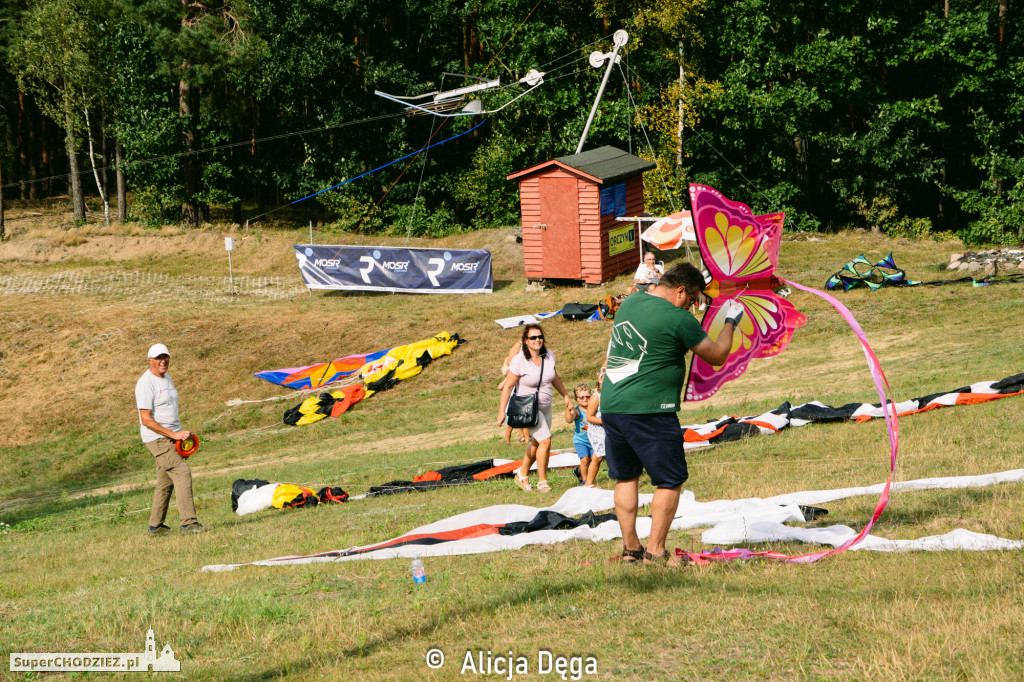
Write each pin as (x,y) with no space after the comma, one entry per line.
(741,251)
(861,271)
(322,373)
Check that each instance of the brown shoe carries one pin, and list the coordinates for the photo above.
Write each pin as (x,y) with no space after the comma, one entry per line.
(632,556)
(193,528)
(670,559)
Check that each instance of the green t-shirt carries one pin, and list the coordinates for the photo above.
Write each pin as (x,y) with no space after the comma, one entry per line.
(647,356)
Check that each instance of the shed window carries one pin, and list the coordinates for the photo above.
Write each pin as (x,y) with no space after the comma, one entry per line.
(613,199)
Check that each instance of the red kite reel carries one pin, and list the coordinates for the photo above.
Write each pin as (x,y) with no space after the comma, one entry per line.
(188,446)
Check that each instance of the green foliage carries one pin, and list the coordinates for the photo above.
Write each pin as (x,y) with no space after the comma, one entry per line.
(804,107)
(484,189)
(417,220)
(882,214)
(51,56)
(999,201)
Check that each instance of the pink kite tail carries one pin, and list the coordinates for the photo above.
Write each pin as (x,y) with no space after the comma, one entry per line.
(892,425)
(889,410)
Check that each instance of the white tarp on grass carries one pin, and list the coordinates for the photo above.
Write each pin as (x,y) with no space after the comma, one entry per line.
(730,521)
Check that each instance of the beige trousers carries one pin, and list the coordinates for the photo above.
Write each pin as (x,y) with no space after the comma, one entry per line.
(172,473)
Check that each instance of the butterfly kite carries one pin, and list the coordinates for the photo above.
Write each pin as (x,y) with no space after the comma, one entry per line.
(740,250)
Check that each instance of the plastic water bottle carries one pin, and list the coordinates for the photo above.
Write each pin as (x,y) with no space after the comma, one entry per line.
(419,574)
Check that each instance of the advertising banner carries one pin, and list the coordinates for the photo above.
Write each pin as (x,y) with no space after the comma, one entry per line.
(621,239)
(383,268)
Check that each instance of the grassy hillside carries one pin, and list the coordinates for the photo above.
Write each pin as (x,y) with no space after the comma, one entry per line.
(79,308)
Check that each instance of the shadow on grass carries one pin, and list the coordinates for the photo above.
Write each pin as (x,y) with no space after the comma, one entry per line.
(358,294)
(41,506)
(635,579)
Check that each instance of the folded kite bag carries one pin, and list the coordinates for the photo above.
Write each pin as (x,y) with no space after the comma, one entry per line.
(578,311)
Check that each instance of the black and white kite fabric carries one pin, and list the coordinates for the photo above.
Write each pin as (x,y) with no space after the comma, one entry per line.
(513,526)
(785,415)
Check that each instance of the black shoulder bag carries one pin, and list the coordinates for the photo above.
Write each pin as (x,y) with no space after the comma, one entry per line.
(523,411)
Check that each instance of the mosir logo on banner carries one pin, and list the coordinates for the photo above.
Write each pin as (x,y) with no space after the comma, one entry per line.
(69,662)
(437,266)
(370,261)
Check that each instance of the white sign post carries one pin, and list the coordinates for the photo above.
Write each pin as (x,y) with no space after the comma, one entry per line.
(229,246)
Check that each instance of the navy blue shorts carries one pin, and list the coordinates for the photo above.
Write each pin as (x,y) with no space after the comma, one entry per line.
(652,442)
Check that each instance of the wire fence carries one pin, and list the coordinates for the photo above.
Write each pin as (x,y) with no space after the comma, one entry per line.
(148,285)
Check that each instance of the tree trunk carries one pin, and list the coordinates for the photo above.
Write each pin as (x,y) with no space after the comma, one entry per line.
(46,158)
(77,199)
(1004,9)
(22,146)
(190,212)
(3,227)
(122,202)
(236,185)
(104,150)
(802,165)
(95,173)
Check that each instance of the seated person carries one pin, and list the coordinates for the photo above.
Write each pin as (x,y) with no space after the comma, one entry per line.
(647,274)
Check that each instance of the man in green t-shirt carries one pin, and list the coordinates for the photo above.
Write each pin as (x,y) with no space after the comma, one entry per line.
(645,374)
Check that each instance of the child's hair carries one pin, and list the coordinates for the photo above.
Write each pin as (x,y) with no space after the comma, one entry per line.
(583,387)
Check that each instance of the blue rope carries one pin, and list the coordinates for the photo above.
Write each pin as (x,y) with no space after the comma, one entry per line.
(391,163)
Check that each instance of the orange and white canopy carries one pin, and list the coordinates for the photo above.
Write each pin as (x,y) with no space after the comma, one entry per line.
(670,232)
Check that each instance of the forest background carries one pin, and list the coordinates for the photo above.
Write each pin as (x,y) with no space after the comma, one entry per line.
(903,117)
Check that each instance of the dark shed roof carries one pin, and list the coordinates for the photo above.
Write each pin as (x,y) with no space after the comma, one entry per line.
(608,163)
(604,164)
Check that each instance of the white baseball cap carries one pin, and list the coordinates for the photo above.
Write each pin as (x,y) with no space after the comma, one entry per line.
(158,349)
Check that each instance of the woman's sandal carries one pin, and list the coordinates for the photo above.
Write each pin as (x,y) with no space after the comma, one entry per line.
(632,556)
(543,487)
(524,483)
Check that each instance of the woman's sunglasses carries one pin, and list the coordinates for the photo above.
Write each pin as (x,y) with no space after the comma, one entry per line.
(534,338)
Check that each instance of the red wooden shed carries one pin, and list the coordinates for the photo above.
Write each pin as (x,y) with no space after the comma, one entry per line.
(568,208)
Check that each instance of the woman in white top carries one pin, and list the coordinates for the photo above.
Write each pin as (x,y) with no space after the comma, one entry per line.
(524,373)
(647,273)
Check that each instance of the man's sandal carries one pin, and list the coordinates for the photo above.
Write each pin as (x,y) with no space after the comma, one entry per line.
(524,482)
(543,487)
(670,559)
(632,556)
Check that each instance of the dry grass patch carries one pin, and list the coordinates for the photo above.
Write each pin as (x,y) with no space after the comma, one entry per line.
(78,484)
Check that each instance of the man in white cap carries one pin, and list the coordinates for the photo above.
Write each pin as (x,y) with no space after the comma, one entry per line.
(157,400)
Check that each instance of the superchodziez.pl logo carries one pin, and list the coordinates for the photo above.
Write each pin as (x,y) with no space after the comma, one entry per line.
(68,662)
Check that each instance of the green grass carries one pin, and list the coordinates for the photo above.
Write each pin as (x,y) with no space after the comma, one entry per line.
(79,573)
